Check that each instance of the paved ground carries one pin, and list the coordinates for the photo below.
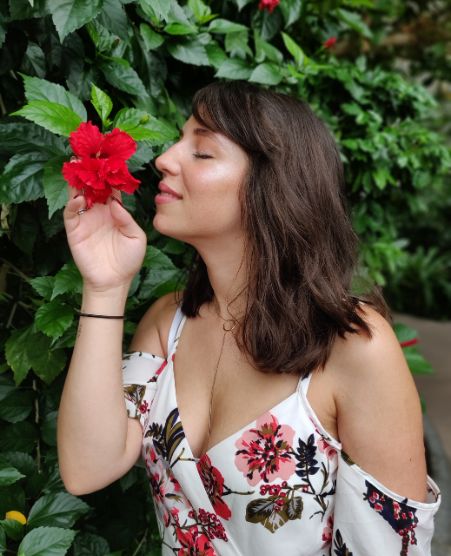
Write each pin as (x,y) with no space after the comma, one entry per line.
(435,389)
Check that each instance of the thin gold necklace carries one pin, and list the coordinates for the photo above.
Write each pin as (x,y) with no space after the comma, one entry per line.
(228,326)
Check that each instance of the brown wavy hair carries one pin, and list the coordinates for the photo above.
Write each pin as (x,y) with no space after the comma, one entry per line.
(301,248)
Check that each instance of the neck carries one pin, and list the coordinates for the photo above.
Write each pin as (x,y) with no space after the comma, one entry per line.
(227,273)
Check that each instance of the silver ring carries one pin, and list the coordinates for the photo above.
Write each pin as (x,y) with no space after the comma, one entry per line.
(81,211)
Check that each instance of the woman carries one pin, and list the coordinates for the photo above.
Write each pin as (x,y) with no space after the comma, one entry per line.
(282,379)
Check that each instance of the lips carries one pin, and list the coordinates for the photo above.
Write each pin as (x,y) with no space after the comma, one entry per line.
(165,189)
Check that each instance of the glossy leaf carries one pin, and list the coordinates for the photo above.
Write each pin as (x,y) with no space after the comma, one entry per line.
(101,102)
(50,115)
(67,279)
(267,74)
(55,186)
(151,39)
(41,89)
(144,127)
(69,15)
(22,178)
(119,73)
(60,510)
(9,476)
(46,541)
(54,318)
(190,53)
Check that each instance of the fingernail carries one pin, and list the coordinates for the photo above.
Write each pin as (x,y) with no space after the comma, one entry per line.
(78,195)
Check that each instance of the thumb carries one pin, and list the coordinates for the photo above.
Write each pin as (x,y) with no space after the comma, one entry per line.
(124,220)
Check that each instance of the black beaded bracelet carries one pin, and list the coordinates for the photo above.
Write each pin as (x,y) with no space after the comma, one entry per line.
(101,316)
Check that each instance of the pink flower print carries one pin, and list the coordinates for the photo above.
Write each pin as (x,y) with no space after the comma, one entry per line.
(265,452)
(328,530)
(326,448)
(143,408)
(166,490)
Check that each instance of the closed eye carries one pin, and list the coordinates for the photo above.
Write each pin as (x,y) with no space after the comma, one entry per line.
(201,155)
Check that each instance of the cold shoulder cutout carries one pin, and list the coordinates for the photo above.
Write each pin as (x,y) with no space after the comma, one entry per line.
(281,484)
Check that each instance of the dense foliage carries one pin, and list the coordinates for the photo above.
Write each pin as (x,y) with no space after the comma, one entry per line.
(135,65)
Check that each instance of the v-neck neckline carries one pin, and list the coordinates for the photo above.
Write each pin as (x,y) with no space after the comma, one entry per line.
(171,358)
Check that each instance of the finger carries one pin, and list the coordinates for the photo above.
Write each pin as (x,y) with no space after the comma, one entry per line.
(72,192)
(71,212)
(124,220)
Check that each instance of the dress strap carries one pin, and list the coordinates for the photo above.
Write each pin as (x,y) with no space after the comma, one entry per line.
(176,321)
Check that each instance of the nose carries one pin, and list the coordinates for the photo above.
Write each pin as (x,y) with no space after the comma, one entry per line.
(167,162)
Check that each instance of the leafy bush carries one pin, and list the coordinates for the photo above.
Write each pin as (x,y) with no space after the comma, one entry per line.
(135,65)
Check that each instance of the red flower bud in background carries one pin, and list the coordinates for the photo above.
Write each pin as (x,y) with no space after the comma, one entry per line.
(99,163)
(330,42)
(268,5)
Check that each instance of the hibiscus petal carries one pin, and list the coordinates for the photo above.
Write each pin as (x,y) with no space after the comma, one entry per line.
(70,174)
(118,144)
(86,140)
(116,174)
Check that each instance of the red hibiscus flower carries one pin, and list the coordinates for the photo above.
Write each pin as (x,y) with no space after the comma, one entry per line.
(194,544)
(265,452)
(330,42)
(214,485)
(268,5)
(99,163)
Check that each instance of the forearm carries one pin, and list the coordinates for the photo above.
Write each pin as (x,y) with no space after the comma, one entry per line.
(92,421)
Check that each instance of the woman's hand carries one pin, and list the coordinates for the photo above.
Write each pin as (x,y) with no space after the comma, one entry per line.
(107,245)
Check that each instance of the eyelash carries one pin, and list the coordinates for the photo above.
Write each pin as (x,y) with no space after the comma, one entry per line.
(201,155)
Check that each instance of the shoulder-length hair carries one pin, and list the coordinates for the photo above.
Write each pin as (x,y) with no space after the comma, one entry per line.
(301,248)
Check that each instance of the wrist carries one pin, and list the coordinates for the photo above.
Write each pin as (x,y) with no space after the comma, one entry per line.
(108,302)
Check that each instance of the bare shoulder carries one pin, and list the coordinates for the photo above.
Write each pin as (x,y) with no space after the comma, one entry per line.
(378,409)
(152,332)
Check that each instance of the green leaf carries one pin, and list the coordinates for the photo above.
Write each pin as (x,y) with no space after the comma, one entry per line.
(404,333)
(234,69)
(55,186)
(69,15)
(176,28)
(21,178)
(67,279)
(264,49)
(19,437)
(158,9)
(121,75)
(48,428)
(242,3)
(26,137)
(2,532)
(34,60)
(9,476)
(295,50)
(416,362)
(267,74)
(50,115)
(17,406)
(47,363)
(224,26)
(355,22)
(41,89)
(61,509)
(190,53)
(54,318)
(202,12)
(16,355)
(236,45)
(13,529)
(151,39)
(89,544)
(101,102)
(21,461)
(216,55)
(291,11)
(144,127)
(43,285)
(162,272)
(46,541)
(23,9)
(114,18)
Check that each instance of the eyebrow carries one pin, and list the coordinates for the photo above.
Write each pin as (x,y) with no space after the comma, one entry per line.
(200,131)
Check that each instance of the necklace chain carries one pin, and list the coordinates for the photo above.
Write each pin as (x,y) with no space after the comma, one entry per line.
(228,326)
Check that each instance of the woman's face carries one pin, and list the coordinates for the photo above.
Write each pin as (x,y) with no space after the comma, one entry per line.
(205,169)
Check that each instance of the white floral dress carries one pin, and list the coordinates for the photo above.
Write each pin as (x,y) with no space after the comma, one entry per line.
(280,485)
